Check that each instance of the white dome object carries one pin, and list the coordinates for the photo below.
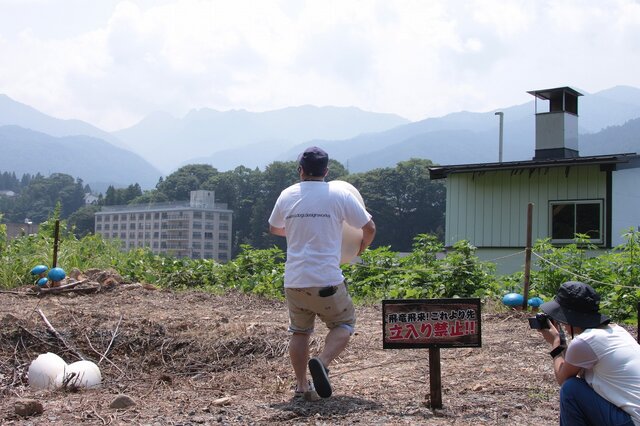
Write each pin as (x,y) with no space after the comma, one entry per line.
(80,374)
(351,237)
(44,370)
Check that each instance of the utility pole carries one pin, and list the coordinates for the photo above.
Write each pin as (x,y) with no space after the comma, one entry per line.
(501,114)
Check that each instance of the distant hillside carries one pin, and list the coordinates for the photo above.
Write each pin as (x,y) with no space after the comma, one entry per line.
(231,138)
(95,161)
(14,113)
(360,140)
(613,139)
(468,137)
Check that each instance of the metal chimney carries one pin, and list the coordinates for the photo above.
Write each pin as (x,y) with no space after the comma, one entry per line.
(557,129)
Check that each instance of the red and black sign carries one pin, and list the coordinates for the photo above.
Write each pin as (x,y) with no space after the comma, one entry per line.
(431,323)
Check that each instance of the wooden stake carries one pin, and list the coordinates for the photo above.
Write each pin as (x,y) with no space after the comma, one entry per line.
(527,257)
(435,379)
(56,241)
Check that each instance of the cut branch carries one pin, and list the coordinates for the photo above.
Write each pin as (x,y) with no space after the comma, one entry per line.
(59,336)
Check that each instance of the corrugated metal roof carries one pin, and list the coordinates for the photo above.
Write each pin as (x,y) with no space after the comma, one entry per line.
(440,172)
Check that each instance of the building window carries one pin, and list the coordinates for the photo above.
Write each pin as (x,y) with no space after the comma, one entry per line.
(222,256)
(223,246)
(107,218)
(196,235)
(115,217)
(156,235)
(123,235)
(224,217)
(208,235)
(115,227)
(195,255)
(107,227)
(123,217)
(132,235)
(123,226)
(197,225)
(568,218)
(99,218)
(224,226)
(197,215)
(208,215)
(98,227)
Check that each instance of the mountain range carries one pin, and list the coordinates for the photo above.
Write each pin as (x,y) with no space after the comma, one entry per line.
(33,142)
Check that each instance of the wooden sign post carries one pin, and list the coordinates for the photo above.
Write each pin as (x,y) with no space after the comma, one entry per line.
(432,324)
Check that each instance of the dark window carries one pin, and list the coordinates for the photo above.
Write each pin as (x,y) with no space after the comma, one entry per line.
(570,218)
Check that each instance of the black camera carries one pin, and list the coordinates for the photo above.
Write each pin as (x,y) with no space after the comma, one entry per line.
(539,322)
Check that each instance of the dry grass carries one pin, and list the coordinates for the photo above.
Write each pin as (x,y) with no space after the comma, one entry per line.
(195,358)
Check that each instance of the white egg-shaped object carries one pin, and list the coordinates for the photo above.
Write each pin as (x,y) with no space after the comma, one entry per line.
(44,370)
(351,237)
(80,374)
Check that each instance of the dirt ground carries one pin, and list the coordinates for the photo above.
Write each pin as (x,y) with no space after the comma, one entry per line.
(190,358)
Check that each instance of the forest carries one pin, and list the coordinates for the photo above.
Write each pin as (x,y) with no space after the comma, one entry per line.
(403,200)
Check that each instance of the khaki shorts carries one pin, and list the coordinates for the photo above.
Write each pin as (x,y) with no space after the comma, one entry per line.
(335,311)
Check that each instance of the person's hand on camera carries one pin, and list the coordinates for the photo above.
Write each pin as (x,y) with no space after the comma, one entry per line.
(552,334)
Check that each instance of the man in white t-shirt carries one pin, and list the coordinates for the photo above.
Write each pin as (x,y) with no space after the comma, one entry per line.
(599,372)
(310,215)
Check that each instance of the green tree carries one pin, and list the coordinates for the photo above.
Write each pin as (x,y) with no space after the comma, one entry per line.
(151,196)
(404,202)
(39,198)
(178,185)
(82,220)
(239,189)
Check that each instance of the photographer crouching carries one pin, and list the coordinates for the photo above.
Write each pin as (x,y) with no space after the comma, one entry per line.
(599,371)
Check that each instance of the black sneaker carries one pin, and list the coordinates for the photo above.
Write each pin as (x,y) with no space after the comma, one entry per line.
(320,377)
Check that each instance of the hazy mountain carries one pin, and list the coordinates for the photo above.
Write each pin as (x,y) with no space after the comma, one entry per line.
(360,140)
(95,161)
(231,138)
(468,137)
(18,114)
(613,140)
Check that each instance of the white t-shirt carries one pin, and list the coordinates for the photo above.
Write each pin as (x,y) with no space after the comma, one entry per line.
(312,213)
(610,357)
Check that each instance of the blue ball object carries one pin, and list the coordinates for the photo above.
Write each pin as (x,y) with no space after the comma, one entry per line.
(42,281)
(513,299)
(535,302)
(57,274)
(39,269)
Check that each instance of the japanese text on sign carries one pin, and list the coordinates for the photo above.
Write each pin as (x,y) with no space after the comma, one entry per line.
(431,323)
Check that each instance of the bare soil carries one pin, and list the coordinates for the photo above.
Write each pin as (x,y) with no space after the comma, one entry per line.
(190,358)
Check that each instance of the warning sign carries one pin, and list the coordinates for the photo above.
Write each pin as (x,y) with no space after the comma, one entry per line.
(431,323)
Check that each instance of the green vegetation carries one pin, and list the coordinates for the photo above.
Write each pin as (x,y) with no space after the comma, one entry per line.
(426,272)
(402,197)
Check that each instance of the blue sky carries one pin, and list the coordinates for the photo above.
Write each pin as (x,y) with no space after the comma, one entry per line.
(112,62)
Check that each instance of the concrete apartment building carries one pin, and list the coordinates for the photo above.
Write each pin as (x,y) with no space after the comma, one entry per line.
(199,229)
